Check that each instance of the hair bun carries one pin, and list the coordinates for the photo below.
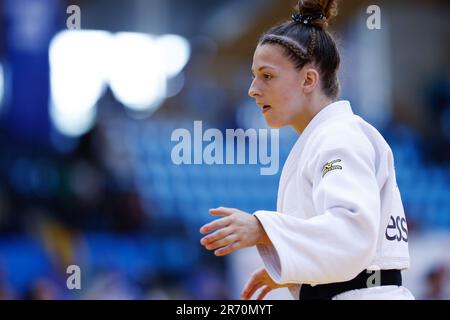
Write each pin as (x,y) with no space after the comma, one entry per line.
(327,8)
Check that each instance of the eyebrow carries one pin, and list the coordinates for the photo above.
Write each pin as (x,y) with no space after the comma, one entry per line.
(264,67)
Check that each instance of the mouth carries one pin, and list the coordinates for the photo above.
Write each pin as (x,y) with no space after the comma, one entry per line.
(266,108)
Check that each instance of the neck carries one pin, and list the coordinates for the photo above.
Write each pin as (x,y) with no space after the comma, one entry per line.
(310,110)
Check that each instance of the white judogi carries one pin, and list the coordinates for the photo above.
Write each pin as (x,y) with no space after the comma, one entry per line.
(339,209)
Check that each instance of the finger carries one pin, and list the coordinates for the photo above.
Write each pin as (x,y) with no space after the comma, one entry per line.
(216,224)
(228,249)
(219,234)
(222,242)
(222,211)
(263,292)
(255,278)
(250,288)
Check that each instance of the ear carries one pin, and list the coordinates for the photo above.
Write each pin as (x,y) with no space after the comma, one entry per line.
(310,80)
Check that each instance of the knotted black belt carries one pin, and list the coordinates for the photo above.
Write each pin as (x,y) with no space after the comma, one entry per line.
(361,281)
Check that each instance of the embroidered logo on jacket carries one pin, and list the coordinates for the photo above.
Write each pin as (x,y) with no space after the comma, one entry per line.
(331,166)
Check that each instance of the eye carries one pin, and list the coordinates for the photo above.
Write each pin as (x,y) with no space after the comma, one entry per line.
(267,76)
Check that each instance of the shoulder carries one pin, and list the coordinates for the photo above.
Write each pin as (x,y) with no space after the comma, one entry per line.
(343,143)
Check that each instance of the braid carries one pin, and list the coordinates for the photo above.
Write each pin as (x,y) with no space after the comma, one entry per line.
(289,44)
(312,43)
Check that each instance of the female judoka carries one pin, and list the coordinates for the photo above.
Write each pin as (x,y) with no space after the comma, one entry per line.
(339,231)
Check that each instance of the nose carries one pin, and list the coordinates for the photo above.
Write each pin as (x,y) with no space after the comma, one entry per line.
(253,91)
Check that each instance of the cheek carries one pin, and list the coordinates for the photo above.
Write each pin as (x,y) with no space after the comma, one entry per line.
(283,96)
(290,101)
(288,91)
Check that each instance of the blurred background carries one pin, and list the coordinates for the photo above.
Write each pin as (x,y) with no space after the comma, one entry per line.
(86,118)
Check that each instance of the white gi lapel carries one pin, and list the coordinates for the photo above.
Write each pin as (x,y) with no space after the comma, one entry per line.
(288,171)
(290,167)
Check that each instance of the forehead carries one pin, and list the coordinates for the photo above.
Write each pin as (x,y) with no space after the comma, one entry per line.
(270,55)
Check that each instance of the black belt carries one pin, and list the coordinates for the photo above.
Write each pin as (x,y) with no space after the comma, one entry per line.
(361,281)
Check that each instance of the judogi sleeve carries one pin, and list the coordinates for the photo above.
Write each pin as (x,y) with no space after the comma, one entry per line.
(340,241)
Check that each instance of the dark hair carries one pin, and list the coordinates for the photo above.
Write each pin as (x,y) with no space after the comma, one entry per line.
(305,39)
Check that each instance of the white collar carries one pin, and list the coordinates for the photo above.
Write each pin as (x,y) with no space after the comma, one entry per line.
(333,110)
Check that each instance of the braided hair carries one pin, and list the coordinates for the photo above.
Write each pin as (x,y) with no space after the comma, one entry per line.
(306,40)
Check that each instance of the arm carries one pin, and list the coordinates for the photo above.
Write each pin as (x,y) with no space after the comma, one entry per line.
(333,246)
(340,242)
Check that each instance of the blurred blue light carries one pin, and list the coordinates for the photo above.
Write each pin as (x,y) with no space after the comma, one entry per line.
(2,82)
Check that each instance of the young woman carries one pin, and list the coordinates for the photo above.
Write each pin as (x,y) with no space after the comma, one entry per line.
(339,231)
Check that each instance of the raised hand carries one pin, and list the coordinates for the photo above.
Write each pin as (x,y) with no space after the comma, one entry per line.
(237,229)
